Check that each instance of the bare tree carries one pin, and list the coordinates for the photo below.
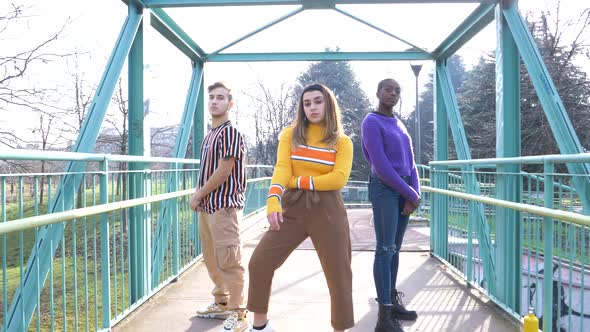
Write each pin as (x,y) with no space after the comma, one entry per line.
(44,131)
(15,64)
(272,114)
(162,140)
(80,97)
(114,139)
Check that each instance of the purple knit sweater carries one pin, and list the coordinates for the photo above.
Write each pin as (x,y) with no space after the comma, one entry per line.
(388,148)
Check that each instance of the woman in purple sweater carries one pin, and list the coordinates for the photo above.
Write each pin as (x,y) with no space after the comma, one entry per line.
(394,192)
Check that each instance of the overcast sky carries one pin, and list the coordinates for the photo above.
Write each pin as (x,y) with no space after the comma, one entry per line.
(92,28)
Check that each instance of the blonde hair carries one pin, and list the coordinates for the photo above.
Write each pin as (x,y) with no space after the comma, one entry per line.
(332,119)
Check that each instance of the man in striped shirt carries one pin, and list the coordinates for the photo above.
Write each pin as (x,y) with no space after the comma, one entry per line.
(219,200)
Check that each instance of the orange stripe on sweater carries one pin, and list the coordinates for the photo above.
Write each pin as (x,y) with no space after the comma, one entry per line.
(305,182)
(309,153)
(275,191)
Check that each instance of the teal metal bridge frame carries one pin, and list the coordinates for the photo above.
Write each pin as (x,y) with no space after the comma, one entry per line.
(514,42)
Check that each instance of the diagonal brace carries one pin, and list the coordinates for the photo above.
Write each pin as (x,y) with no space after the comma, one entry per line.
(559,121)
(168,28)
(262,28)
(471,26)
(471,184)
(23,304)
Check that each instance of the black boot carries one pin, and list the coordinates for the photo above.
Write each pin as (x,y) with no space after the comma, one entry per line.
(385,322)
(399,311)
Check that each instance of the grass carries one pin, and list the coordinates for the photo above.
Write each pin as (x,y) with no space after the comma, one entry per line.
(80,308)
(81,238)
(83,283)
(73,287)
(81,242)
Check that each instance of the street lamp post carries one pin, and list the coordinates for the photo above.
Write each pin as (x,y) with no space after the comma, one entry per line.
(416,69)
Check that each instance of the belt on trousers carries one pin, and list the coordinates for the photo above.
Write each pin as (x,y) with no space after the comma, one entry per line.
(404,177)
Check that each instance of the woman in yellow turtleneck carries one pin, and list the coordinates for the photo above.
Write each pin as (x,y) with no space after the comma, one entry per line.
(314,159)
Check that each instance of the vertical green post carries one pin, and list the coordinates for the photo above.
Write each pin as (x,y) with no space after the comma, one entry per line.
(548,250)
(199,119)
(258,187)
(175,221)
(508,144)
(471,222)
(440,211)
(198,135)
(138,228)
(105,265)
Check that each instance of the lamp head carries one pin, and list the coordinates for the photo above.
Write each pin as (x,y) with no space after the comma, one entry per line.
(415,68)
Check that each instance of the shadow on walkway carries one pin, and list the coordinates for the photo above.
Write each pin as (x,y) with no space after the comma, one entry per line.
(300,300)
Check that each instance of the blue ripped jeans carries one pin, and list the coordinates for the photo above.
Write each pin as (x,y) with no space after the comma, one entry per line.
(390,225)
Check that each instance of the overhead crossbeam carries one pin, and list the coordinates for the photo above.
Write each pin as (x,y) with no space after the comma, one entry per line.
(330,4)
(168,28)
(320,56)
(471,26)
(318,4)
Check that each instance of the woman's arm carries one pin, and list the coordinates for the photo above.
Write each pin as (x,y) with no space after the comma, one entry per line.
(283,171)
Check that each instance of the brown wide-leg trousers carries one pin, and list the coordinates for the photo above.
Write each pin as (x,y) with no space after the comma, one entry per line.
(321,216)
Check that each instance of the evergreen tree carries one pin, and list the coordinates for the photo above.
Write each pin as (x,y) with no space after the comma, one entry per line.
(476,93)
(477,101)
(426,107)
(354,104)
(571,82)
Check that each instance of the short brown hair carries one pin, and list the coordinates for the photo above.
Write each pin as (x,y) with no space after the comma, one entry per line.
(221,84)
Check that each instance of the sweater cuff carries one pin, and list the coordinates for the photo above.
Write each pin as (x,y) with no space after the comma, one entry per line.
(305,183)
(275,190)
(273,205)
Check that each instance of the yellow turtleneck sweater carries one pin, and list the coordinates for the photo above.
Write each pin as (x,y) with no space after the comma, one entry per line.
(314,166)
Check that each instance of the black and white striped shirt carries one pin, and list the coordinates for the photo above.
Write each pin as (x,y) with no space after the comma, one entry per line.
(221,142)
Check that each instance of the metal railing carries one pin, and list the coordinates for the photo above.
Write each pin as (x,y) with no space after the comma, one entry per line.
(550,237)
(100,273)
(91,281)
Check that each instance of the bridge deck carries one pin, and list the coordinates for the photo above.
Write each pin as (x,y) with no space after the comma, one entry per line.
(300,300)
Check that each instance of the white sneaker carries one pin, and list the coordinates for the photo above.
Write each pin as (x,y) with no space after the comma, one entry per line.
(214,310)
(267,328)
(235,324)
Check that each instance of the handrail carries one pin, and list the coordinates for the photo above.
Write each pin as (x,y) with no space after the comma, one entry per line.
(42,220)
(258,179)
(553,158)
(259,166)
(54,218)
(75,156)
(575,218)
(427,168)
(533,176)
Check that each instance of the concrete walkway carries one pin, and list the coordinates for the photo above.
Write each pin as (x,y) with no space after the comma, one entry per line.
(300,300)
